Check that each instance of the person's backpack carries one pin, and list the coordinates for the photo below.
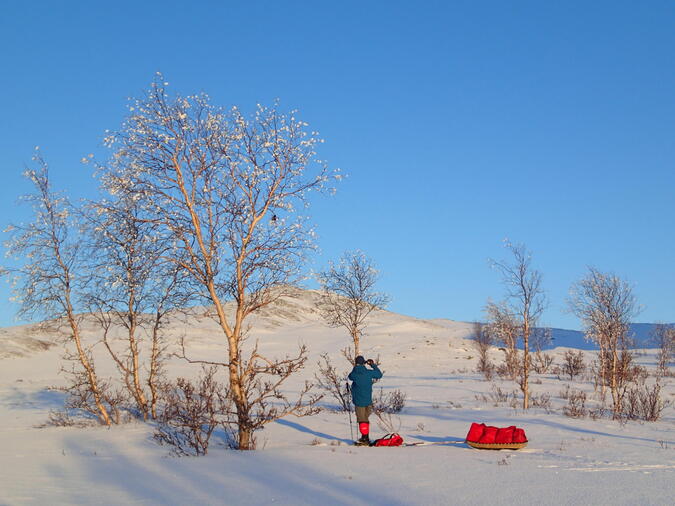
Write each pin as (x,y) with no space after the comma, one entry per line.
(389,440)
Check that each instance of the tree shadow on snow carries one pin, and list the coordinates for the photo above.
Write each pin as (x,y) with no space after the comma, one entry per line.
(307,430)
(99,471)
(40,399)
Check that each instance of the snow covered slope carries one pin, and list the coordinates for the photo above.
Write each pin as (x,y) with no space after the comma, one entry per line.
(309,460)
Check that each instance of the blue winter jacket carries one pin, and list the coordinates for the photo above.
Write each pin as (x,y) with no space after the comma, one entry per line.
(362,384)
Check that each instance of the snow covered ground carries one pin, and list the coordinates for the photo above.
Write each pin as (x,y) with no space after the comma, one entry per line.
(309,460)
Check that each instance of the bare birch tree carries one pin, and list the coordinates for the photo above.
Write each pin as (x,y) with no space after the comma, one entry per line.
(134,288)
(605,304)
(227,189)
(663,336)
(523,306)
(349,296)
(49,282)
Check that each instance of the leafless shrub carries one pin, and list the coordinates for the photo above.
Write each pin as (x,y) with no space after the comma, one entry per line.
(388,422)
(191,413)
(64,418)
(483,341)
(598,412)
(541,363)
(643,402)
(504,329)
(508,369)
(573,363)
(542,401)
(576,404)
(334,383)
(80,398)
(624,374)
(392,402)
(497,396)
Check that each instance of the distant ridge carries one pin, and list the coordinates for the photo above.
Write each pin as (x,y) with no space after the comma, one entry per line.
(297,307)
(642,333)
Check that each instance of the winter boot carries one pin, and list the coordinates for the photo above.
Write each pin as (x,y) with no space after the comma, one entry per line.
(363,441)
(364,429)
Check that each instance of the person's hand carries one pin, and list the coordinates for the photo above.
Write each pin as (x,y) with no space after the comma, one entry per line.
(370,362)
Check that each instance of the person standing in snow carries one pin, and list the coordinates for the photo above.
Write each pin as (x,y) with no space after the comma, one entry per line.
(362,394)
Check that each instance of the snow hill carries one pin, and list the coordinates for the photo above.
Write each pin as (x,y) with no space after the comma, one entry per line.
(310,460)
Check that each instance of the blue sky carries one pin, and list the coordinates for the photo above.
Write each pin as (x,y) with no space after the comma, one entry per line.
(459,123)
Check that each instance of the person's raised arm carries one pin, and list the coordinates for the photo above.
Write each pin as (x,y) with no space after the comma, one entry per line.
(375,373)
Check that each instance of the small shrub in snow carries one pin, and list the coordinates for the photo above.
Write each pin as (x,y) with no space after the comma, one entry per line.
(387,422)
(643,402)
(598,412)
(393,402)
(483,341)
(541,401)
(63,418)
(541,362)
(498,396)
(191,413)
(331,381)
(573,363)
(576,404)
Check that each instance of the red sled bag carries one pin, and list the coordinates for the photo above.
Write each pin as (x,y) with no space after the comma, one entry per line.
(487,437)
(388,440)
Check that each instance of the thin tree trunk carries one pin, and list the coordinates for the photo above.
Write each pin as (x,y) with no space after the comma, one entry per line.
(89,369)
(154,367)
(91,375)
(141,400)
(615,391)
(526,364)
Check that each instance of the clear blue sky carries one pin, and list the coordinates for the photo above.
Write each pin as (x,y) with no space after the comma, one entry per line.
(460,123)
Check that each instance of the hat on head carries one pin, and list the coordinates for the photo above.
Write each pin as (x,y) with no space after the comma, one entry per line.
(360,360)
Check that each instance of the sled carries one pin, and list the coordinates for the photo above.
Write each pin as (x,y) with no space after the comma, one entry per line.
(496,446)
(486,437)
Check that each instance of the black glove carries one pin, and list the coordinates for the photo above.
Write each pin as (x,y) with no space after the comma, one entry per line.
(370,362)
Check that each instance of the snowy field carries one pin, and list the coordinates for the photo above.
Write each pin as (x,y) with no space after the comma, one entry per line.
(309,460)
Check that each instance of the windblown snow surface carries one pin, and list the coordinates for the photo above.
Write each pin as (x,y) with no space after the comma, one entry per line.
(310,460)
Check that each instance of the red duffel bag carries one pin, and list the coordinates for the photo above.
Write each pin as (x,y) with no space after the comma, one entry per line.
(388,440)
